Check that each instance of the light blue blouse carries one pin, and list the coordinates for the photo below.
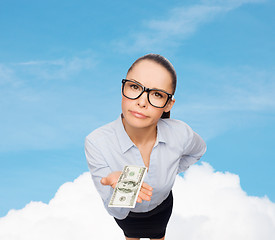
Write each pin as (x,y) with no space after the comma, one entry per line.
(109,148)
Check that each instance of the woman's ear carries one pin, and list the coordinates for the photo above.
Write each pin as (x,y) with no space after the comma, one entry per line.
(169,105)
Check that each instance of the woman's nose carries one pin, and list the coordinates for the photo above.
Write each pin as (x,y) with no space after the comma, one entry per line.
(142,101)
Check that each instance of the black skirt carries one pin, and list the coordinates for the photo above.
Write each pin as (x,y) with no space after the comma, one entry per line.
(150,224)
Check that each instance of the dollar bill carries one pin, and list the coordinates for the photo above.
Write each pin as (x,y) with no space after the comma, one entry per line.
(129,183)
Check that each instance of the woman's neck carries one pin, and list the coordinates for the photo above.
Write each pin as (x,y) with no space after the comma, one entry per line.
(141,136)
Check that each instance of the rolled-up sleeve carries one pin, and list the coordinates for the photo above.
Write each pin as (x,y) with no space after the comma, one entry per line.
(192,151)
(99,168)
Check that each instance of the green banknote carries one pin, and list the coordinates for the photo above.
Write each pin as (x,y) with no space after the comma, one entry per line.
(129,183)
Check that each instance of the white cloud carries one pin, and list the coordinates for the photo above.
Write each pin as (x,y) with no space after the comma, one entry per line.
(230,3)
(180,23)
(208,205)
(221,209)
(8,77)
(57,69)
(76,212)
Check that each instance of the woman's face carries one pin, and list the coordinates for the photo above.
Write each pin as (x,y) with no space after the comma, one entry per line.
(139,113)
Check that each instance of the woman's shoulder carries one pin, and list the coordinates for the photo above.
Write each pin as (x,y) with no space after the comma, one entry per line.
(175,131)
(175,125)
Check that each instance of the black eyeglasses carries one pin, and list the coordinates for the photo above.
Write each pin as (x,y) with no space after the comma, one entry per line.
(156,97)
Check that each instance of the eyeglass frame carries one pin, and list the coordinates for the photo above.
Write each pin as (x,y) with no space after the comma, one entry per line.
(148,90)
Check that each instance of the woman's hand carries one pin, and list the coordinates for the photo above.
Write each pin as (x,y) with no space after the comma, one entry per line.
(111,179)
(145,192)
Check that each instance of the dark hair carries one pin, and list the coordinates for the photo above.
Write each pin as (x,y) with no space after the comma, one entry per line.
(166,64)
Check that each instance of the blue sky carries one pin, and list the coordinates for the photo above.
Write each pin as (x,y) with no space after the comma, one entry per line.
(61,65)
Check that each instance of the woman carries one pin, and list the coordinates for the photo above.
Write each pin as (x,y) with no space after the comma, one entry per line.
(144,135)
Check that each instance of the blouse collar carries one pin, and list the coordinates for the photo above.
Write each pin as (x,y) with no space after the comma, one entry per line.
(125,141)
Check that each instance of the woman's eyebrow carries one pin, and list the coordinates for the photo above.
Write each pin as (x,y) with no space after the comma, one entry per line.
(144,86)
(135,81)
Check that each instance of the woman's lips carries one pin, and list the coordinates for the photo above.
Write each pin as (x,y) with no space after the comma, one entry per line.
(138,115)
